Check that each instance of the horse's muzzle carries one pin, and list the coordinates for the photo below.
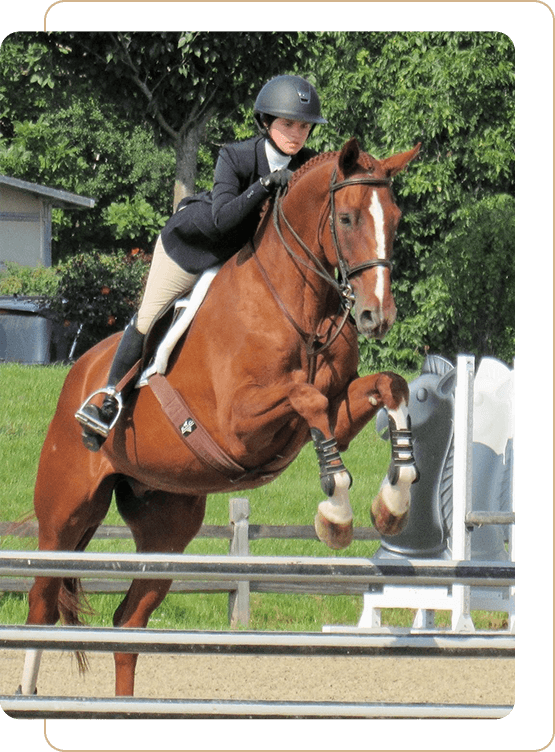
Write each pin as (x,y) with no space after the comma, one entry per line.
(372,324)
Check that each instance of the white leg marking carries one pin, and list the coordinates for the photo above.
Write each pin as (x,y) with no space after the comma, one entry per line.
(337,508)
(376,212)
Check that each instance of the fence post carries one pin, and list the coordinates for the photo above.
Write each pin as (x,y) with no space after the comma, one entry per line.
(462,486)
(239,599)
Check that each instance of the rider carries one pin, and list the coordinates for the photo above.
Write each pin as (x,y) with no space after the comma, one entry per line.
(210,227)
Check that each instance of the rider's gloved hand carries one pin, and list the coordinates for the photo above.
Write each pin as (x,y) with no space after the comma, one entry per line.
(277,179)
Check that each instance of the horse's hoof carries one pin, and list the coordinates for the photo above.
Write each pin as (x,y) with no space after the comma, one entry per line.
(333,535)
(384,521)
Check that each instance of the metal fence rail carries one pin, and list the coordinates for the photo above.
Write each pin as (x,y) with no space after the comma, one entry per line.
(424,572)
(254,643)
(79,707)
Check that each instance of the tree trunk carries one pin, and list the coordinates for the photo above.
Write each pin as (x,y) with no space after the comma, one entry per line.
(186,160)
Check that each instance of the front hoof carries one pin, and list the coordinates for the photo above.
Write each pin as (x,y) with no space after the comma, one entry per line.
(385,522)
(335,536)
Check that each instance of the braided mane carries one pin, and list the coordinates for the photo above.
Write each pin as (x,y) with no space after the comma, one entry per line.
(365,160)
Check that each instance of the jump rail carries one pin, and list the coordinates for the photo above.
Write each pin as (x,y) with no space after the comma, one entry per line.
(253,643)
(424,572)
(78,707)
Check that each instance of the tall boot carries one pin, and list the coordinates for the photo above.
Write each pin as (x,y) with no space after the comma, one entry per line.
(97,422)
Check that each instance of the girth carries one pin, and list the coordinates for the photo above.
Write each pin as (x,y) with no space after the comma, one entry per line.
(198,440)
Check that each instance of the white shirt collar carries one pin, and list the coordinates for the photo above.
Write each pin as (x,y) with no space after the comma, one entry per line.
(276,160)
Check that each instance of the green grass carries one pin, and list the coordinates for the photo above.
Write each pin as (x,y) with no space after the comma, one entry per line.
(28,397)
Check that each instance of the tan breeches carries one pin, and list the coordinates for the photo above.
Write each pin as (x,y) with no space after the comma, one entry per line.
(166,280)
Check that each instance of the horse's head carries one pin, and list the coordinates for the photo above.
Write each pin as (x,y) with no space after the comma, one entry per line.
(363,221)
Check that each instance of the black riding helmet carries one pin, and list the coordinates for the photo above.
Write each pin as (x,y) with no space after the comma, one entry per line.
(290,97)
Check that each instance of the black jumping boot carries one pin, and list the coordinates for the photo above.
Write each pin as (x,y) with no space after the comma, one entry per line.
(97,422)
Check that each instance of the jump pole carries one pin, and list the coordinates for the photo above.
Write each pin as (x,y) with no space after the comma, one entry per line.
(255,568)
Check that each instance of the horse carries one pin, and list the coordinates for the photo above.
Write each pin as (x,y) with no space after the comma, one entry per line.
(269,362)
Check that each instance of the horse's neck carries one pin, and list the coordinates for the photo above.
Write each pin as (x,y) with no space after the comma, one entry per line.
(301,290)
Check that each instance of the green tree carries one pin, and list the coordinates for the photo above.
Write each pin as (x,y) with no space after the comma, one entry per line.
(69,137)
(454,92)
(177,80)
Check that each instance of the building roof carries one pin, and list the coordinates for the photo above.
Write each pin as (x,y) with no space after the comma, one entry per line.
(54,196)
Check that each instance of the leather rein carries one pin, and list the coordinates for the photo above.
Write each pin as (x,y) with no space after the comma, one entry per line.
(342,286)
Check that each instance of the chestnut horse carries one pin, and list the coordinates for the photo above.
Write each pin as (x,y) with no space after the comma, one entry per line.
(269,362)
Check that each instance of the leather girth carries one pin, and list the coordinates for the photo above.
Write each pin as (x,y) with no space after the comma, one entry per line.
(199,441)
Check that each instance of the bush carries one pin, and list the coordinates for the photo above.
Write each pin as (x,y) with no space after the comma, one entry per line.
(133,219)
(99,293)
(28,280)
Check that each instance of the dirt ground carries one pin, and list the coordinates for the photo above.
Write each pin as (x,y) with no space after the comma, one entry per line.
(487,681)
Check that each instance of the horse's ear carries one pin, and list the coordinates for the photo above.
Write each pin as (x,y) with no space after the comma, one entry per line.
(396,163)
(349,157)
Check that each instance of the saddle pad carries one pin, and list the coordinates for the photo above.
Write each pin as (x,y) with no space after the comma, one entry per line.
(189,306)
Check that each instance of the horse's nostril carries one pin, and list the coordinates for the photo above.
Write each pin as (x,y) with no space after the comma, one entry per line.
(366,317)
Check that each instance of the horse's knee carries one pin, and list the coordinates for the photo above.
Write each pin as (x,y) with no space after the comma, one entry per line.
(390,390)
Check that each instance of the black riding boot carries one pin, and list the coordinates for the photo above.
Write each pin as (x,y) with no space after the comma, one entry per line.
(97,422)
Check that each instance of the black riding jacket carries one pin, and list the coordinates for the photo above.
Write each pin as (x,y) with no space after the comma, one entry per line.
(210,227)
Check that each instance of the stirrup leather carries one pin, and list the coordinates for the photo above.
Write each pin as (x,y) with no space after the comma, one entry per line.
(90,421)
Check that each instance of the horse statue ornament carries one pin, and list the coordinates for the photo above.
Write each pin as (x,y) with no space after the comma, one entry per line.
(269,361)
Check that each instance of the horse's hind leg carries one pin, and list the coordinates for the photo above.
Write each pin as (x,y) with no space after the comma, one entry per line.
(160,523)
(69,508)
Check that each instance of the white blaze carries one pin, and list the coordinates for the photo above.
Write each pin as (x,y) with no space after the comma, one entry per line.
(376,212)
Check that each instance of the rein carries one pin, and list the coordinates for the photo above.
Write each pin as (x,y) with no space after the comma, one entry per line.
(343,287)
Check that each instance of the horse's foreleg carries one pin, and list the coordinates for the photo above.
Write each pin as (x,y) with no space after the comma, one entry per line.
(334,519)
(364,397)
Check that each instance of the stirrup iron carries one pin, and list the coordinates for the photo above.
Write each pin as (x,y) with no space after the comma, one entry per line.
(90,422)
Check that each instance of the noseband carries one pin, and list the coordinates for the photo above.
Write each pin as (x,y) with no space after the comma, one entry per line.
(343,285)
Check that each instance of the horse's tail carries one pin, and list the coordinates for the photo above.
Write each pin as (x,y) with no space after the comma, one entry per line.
(73,604)
(21,528)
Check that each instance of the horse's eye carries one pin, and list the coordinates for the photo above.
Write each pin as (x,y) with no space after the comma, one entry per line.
(345,220)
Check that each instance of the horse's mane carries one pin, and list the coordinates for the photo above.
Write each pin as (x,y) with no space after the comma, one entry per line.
(365,161)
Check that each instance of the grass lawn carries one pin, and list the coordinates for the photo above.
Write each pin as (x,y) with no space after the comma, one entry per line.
(28,400)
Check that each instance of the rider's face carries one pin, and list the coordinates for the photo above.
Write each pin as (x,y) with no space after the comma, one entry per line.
(289,135)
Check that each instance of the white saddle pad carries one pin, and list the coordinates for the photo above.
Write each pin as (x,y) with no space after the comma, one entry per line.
(189,306)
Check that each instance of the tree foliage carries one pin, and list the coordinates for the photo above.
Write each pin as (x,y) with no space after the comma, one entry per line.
(123,116)
(454,92)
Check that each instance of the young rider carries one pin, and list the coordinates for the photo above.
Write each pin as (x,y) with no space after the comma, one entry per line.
(210,227)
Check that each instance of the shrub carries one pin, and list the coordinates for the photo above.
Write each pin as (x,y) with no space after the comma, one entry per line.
(99,293)
(28,280)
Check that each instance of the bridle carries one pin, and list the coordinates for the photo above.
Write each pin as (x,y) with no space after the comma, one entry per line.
(346,271)
(342,285)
